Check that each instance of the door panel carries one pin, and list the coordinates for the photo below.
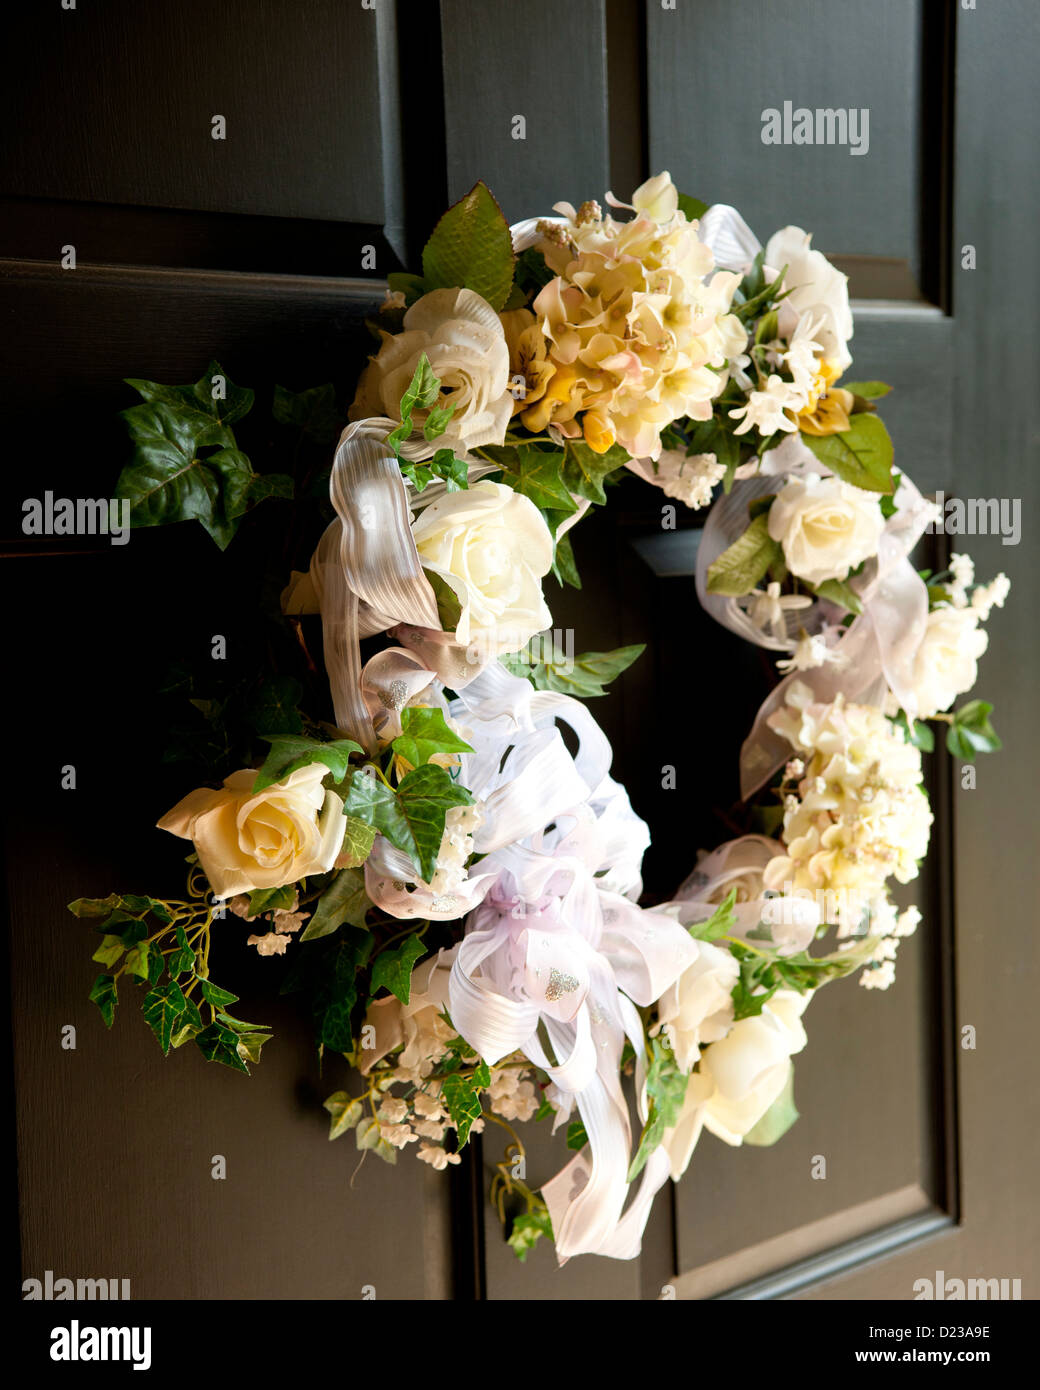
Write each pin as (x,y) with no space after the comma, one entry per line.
(349,127)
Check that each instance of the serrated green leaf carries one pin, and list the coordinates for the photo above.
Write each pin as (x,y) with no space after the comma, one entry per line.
(188,1024)
(421,393)
(424,734)
(471,248)
(222,399)
(412,817)
(345,900)
(537,474)
(860,455)
(586,676)
(183,958)
(162,1007)
(290,752)
(739,568)
(104,993)
(392,970)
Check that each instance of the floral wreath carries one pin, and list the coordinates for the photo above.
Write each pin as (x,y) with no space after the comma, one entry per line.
(458,891)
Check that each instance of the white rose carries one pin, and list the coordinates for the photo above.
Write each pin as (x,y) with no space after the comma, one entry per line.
(463,339)
(491,546)
(819,291)
(739,1078)
(248,840)
(698,1007)
(945,664)
(826,527)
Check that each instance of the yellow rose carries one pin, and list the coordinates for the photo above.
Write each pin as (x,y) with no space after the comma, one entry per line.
(266,839)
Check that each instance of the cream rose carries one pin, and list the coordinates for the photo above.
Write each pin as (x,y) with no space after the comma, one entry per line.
(945,664)
(248,840)
(816,290)
(698,1007)
(739,1077)
(491,546)
(462,337)
(826,527)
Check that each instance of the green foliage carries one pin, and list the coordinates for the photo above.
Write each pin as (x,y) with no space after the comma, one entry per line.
(755,295)
(868,390)
(273,706)
(471,248)
(449,609)
(565,568)
(839,591)
(357,843)
(392,969)
(162,1007)
(918,732)
(778,1119)
(971,731)
(424,734)
(860,455)
(740,568)
(345,900)
(219,1043)
(460,1092)
(692,207)
(576,1136)
(531,275)
(290,752)
(720,923)
(538,474)
(104,992)
(584,676)
(665,1090)
(412,817)
(422,393)
(526,1230)
(186,464)
(585,471)
(272,900)
(762,973)
(313,411)
(326,973)
(344,1112)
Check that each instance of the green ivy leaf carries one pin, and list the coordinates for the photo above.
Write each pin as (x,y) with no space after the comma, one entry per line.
(313,411)
(424,734)
(183,958)
(137,960)
(564,567)
(369,1136)
(461,1094)
(449,609)
(221,399)
(537,474)
(345,1112)
(576,1135)
(273,708)
(357,843)
(526,1231)
(412,817)
(345,900)
(778,1119)
(666,1090)
(162,1007)
(392,970)
(109,951)
(860,455)
(421,393)
(584,470)
(188,1025)
(720,923)
(737,570)
(585,677)
(219,998)
(289,752)
(104,993)
(471,248)
(219,1043)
